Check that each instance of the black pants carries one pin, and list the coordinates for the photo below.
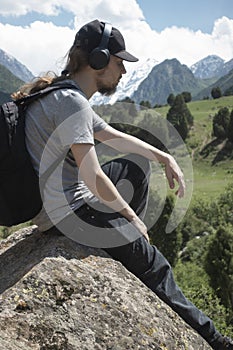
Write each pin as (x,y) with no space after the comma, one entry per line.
(138,256)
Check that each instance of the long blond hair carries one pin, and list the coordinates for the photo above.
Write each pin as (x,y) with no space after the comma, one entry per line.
(77,58)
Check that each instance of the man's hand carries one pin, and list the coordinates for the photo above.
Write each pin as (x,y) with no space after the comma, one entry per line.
(137,222)
(173,171)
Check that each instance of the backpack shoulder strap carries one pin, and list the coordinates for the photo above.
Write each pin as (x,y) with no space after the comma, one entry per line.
(10,116)
(33,97)
(25,101)
(12,110)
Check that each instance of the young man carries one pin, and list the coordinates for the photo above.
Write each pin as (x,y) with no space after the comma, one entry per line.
(64,123)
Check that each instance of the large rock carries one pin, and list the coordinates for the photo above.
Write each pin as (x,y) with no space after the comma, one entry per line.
(59,295)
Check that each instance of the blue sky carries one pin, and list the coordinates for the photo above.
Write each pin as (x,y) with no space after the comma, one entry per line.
(39,32)
(64,18)
(195,14)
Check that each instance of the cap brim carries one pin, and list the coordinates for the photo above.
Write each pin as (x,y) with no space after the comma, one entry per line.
(124,55)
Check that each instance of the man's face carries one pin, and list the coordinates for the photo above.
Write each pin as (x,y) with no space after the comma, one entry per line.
(109,77)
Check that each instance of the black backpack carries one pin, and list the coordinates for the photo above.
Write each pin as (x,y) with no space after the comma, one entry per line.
(20,198)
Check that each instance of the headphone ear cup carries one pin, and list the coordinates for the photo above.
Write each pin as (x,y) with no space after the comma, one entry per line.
(99,58)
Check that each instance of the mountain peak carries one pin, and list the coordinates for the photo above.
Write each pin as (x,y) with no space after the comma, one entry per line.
(170,76)
(208,67)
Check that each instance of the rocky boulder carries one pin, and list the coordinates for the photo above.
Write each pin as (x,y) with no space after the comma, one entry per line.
(59,295)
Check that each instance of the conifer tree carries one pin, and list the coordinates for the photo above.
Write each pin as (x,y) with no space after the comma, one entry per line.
(219,264)
(216,92)
(230,128)
(180,117)
(221,122)
(187,96)
(171,99)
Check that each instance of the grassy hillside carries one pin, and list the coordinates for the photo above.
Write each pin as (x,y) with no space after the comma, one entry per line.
(203,112)
(209,180)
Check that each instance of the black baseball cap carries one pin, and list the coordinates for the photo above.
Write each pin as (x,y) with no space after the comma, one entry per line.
(89,37)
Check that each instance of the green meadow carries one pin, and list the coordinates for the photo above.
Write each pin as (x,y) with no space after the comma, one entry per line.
(209,180)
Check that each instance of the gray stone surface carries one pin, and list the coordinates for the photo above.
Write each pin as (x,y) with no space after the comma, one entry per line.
(59,295)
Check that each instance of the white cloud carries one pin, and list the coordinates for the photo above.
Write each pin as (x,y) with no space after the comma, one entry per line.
(118,12)
(11,7)
(40,45)
(82,9)
(223,36)
(182,43)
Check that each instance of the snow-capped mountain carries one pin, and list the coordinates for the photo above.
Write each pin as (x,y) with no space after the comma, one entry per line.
(209,67)
(169,76)
(15,67)
(136,73)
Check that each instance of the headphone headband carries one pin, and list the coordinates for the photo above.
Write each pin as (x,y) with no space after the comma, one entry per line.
(100,56)
(105,36)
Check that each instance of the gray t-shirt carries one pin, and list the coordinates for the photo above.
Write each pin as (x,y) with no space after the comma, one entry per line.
(53,123)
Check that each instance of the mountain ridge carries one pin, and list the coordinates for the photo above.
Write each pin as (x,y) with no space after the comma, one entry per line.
(224,83)
(211,66)
(172,77)
(168,77)
(15,67)
(144,80)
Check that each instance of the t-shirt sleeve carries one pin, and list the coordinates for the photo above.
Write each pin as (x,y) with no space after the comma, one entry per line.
(76,121)
(99,123)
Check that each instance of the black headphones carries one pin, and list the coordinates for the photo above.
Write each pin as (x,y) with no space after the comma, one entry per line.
(100,56)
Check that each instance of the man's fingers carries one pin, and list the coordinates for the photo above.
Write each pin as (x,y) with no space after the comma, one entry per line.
(176,174)
(147,237)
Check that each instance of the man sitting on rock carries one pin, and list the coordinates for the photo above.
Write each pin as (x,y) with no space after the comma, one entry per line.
(90,203)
